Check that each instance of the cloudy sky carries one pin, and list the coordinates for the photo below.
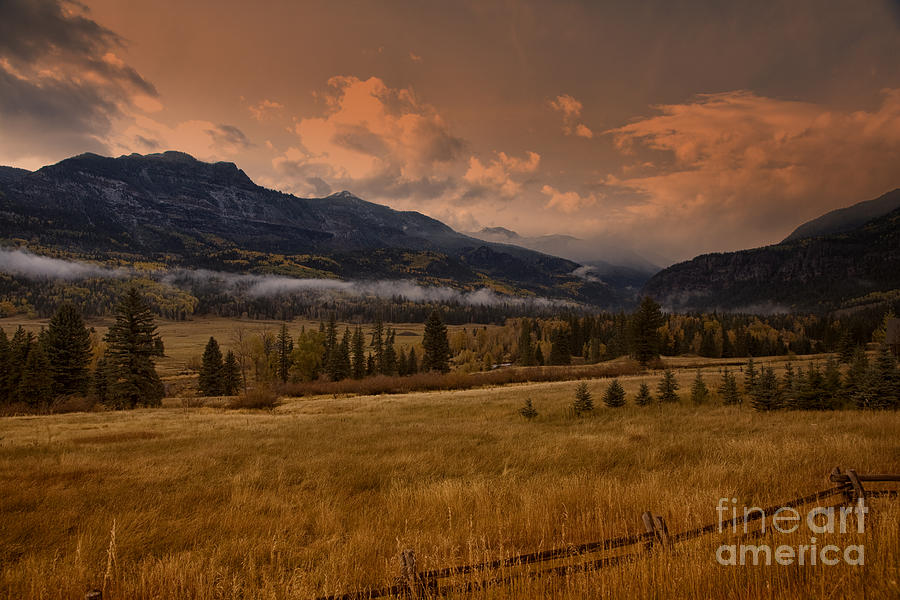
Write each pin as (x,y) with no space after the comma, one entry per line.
(671,127)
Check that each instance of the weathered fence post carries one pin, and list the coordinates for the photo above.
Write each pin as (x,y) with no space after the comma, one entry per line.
(662,531)
(94,595)
(858,492)
(408,569)
(650,526)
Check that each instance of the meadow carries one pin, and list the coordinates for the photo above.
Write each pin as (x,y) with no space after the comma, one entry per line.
(322,494)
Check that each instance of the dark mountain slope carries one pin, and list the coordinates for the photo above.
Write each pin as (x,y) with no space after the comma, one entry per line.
(847,219)
(805,274)
(170,208)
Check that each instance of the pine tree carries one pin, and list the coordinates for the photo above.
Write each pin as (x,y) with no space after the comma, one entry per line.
(371,367)
(68,348)
(560,354)
(728,389)
(699,391)
(750,377)
(359,354)
(538,355)
(401,362)
(789,386)
(528,411)
(525,347)
(377,345)
(831,383)
(36,383)
(643,398)
(584,401)
(210,380)
(100,380)
(19,347)
(412,363)
(389,359)
(846,348)
(766,393)
(5,359)
(644,331)
(667,390)
(131,346)
(344,364)
(284,347)
(855,379)
(231,375)
(614,396)
(883,382)
(437,346)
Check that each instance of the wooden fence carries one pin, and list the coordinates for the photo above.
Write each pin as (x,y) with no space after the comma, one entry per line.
(849,485)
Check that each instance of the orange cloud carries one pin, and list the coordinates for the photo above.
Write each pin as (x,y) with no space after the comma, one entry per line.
(567,202)
(264,109)
(499,174)
(736,168)
(571,111)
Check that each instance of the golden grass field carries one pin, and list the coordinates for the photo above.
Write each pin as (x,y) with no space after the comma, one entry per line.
(320,495)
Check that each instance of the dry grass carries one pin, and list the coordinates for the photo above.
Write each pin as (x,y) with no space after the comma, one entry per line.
(321,494)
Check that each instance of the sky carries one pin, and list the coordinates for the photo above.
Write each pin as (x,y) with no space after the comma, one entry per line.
(671,128)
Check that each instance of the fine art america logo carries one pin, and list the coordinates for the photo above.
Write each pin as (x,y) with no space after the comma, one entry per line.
(820,521)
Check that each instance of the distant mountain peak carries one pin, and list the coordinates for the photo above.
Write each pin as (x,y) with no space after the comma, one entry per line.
(500,231)
(847,219)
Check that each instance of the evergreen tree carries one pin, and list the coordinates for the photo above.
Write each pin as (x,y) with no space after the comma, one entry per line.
(750,376)
(100,380)
(359,354)
(231,375)
(401,362)
(644,331)
(525,347)
(766,393)
(855,379)
(210,380)
(68,348)
(846,347)
(371,368)
(831,383)
(131,346)
(412,363)
(36,383)
(284,347)
(5,392)
(614,396)
(344,365)
(389,360)
(882,387)
(643,398)
(538,355)
(789,386)
(19,347)
(377,345)
(437,347)
(560,354)
(528,411)
(699,391)
(584,401)
(667,390)
(728,389)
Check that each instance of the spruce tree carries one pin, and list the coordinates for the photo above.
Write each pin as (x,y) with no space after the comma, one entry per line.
(643,398)
(389,359)
(750,376)
(345,366)
(100,380)
(728,389)
(36,384)
(614,396)
(401,362)
(538,355)
(284,347)
(584,401)
(831,383)
(699,391)
(210,381)
(68,347)
(437,346)
(525,347)
(412,362)
(19,347)
(528,411)
(766,394)
(131,346)
(667,390)
(5,392)
(231,375)
(883,381)
(560,354)
(856,378)
(644,331)
(377,345)
(789,387)
(359,354)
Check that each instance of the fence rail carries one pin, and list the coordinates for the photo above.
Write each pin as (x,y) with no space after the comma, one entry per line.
(849,485)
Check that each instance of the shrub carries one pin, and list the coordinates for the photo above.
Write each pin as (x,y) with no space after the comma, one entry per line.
(528,411)
(260,398)
(73,403)
(643,398)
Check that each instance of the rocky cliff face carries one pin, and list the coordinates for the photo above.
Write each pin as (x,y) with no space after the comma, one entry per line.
(804,274)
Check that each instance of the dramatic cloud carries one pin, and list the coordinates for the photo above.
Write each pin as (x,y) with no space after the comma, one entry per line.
(202,139)
(61,82)
(382,140)
(265,109)
(571,112)
(567,202)
(736,169)
(499,175)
